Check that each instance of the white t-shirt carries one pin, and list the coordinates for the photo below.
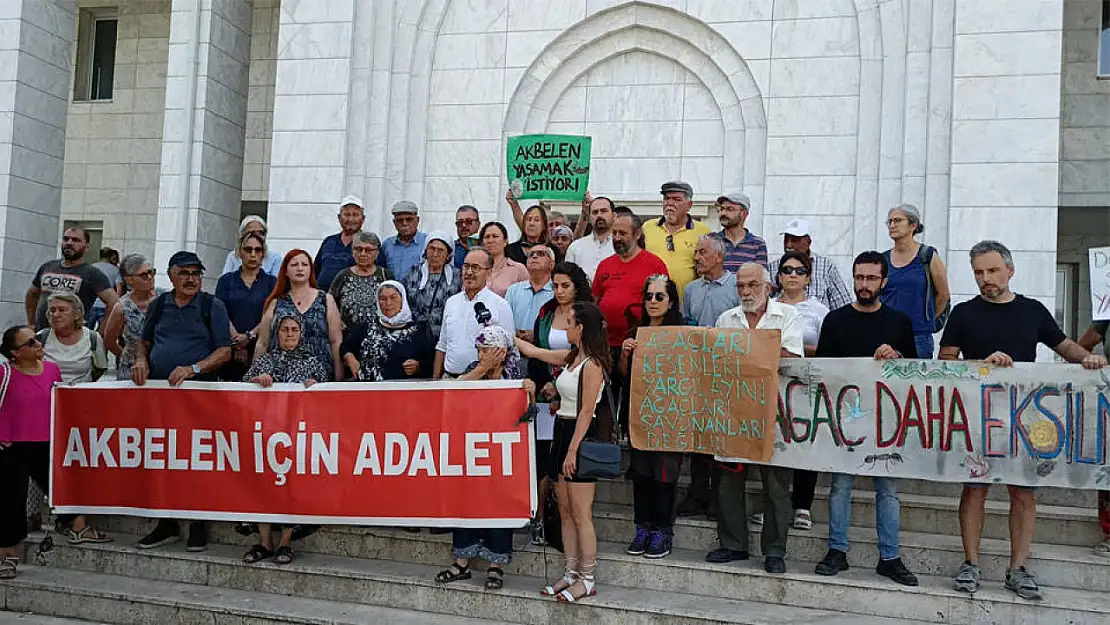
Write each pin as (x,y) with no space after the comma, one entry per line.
(76,362)
(813,315)
(588,253)
(460,327)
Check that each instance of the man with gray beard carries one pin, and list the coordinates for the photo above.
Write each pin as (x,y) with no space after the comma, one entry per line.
(757,310)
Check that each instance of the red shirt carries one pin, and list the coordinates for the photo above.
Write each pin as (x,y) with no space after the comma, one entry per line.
(619,288)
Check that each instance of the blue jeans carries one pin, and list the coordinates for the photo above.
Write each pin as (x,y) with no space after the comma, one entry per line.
(924,343)
(887,514)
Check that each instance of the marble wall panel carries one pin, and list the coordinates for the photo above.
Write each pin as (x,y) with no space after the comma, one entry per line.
(470,51)
(1005,97)
(1010,15)
(1007,140)
(1000,185)
(476,16)
(812,116)
(811,155)
(1007,54)
(820,38)
(810,195)
(739,10)
(837,76)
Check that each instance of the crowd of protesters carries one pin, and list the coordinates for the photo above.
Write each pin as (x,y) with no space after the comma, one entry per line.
(558,308)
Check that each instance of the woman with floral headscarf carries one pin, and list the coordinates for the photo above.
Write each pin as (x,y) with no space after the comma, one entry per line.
(430,283)
(498,359)
(392,347)
(290,363)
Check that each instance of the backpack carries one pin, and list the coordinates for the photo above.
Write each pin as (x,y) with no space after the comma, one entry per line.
(94,341)
(154,311)
(925,253)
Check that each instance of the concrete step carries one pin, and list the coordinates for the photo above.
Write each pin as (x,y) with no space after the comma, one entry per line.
(165,583)
(929,553)
(26,618)
(1060,525)
(135,601)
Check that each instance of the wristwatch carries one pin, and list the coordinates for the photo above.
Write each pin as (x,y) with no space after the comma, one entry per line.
(252,336)
(196,369)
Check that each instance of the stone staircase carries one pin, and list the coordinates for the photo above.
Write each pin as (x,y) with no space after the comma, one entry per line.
(347,575)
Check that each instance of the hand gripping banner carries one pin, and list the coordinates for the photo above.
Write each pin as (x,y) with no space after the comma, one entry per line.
(425,454)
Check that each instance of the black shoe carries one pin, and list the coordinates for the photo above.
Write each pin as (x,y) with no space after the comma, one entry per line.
(198,537)
(692,507)
(439,530)
(774,565)
(712,513)
(411,530)
(639,542)
(164,533)
(897,571)
(834,562)
(723,555)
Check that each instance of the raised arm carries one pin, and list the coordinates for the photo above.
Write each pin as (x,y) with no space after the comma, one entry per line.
(555,357)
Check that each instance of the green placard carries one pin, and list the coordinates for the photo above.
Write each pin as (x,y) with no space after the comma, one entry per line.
(549,167)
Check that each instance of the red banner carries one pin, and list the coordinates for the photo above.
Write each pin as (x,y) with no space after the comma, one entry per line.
(447,454)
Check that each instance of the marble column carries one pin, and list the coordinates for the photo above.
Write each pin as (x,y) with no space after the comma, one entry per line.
(200,186)
(36,48)
(309,162)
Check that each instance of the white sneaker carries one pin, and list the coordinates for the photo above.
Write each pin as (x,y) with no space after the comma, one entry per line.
(802,520)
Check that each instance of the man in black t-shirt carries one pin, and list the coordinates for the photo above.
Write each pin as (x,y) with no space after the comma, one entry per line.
(866,329)
(1001,327)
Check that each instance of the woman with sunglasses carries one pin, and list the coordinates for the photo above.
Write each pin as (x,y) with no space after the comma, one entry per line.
(653,473)
(244,291)
(793,277)
(124,325)
(26,382)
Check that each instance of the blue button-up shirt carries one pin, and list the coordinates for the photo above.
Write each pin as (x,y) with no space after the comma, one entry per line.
(526,302)
(244,304)
(400,257)
(705,300)
(333,257)
(460,254)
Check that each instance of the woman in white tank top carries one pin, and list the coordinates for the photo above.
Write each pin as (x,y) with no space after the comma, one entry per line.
(585,362)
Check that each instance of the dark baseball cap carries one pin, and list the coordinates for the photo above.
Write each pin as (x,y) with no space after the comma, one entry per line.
(677,185)
(185,259)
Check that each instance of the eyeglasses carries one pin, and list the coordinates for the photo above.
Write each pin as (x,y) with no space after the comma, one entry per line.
(893,221)
(365,249)
(862,278)
(670,242)
(789,270)
(466,222)
(190,274)
(659,297)
(253,250)
(469,268)
(149,273)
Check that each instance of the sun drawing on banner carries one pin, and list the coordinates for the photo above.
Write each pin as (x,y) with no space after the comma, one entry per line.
(1043,436)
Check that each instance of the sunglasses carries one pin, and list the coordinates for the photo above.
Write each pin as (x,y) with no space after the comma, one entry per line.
(659,297)
(670,242)
(466,222)
(31,342)
(794,271)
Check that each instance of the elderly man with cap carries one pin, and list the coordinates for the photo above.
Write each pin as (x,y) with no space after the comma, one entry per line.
(467,224)
(186,336)
(674,236)
(825,283)
(562,237)
(335,252)
(404,250)
(271,263)
(741,245)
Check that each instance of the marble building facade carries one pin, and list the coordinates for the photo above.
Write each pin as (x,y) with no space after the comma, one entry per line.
(988,114)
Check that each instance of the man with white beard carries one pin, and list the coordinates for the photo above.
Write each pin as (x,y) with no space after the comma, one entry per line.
(757,310)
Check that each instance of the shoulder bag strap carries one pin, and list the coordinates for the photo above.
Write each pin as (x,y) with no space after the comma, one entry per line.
(925,253)
(6,374)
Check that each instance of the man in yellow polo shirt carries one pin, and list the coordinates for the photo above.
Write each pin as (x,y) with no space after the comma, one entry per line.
(674,236)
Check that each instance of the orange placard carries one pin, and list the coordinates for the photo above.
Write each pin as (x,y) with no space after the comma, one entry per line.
(705,390)
(448,454)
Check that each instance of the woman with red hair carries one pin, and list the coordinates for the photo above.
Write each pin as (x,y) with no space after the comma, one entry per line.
(296,293)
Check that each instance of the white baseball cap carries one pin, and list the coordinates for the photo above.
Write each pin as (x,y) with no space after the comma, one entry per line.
(351,200)
(796,228)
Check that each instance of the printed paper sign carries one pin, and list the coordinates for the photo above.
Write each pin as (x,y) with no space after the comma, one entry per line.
(447,454)
(1100,282)
(1033,424)
(705,390)
(549,167)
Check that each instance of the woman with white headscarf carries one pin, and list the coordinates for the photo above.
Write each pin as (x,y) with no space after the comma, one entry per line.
(430,283)
(395,346)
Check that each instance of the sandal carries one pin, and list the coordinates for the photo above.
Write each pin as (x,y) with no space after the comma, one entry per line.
(802,520)
(88,534)
(284,555)
(8,568)
(495,578)
(569,577)
(1103,548)
(257,553)
(586,580)
(453,573)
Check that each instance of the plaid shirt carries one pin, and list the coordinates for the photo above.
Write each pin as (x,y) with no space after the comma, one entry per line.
(825,284)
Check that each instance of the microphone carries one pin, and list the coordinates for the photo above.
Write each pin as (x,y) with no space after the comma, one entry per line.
(482,314)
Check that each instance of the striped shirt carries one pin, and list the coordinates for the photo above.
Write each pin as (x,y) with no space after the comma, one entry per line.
(751,249)
(825,285)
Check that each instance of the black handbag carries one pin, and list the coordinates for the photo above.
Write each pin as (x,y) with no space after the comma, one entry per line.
(598,457)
